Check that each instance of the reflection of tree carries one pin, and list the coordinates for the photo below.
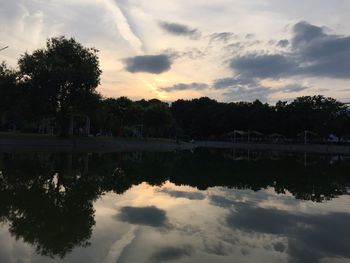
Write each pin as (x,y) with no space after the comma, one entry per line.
(55,224)
(47,199)
(317,182)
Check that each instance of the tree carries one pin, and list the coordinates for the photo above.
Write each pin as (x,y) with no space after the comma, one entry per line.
(315,113)
(341,124)
(157,119)
(10,95)
(60,79)
(115,114)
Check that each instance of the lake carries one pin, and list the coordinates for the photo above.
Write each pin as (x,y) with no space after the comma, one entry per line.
(202,206)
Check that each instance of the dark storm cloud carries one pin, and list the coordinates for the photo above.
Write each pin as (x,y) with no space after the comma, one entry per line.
(310,237)
(179,29)
(184,194)
(149,216)
(313,53)
(184,86)
(155,64)
(172,253)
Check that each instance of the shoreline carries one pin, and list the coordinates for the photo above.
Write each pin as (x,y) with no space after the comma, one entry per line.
(21,142)
(90,144)
(297,148)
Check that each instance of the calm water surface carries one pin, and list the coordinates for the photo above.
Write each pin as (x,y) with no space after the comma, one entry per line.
(207,206)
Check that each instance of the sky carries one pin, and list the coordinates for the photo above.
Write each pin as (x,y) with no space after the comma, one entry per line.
(228,50)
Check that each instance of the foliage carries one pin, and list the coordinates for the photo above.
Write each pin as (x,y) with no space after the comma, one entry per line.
(10,95)
(206,118)
(157,119)
(60,79)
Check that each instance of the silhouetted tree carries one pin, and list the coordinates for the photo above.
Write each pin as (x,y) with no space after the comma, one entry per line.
(115,114)
(10,94)
(157,119)
(313,113)
(204,118)
(60,79)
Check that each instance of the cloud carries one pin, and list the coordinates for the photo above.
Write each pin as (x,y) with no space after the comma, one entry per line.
(184,194)
(293,88)
(308,235)
(236,47)
(314,53)
(123,25)
(235,81)
(305,32)
(263,65)
(179,29)
(243,219)
(243,88)
(149,216)
(221,201)
(322,54)
(240,90)
(117,249)
(184,86)
(249,93)
(216,247)
(172,253)
(191,53)
(249,36)
(279,247)
(155,64)
(283,43)
(221,37)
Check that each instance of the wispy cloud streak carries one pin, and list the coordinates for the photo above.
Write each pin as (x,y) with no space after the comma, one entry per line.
(123,25)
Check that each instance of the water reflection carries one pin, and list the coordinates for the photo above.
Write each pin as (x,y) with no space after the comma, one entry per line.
(172,253)
(310,237)
(205,206)
(148,216)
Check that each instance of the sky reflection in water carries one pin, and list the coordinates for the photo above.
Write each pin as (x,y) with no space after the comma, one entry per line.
(148,208)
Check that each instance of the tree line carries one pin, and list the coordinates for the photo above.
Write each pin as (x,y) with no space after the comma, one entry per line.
(53,90)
